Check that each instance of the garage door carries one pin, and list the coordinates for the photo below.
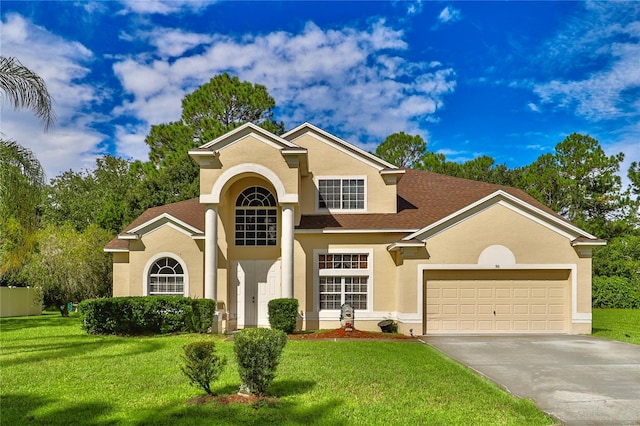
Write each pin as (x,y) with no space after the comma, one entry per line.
(516,301)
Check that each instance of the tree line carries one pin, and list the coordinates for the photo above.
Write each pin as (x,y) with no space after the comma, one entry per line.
(52,234)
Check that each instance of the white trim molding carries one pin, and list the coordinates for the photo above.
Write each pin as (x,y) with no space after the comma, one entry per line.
(330,314)
(235,171)
(507,200)
(152,260)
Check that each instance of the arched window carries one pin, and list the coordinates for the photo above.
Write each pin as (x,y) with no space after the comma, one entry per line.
(256,218)
(166,277)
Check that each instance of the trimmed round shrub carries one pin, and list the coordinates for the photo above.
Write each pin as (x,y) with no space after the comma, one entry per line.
(202,315)
(283,314)
(615,292)
(202,365)
(258,353)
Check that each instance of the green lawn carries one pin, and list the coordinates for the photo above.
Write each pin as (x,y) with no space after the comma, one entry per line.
(617,324)
(53,373)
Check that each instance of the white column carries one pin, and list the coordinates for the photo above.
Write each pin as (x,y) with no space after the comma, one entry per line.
(287,250)
(210,251)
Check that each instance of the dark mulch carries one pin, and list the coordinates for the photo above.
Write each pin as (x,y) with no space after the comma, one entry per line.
(342,333)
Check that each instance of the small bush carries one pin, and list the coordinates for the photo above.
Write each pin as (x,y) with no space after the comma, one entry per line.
(202,365)
(202,315)
(283,314)
(258,353)
(615,292)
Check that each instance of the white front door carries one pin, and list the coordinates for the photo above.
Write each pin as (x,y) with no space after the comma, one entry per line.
(258,282)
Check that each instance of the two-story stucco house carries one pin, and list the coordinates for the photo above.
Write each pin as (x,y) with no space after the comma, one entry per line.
(310,216)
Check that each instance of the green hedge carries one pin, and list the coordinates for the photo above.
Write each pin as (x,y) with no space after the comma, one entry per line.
(283,314)
(615,292)
(146,315)
(202,315)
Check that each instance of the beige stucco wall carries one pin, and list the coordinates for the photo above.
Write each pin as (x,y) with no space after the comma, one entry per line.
(254,151)
(121,275)
(325,160)
(531,243)
(383,281)
(166,240)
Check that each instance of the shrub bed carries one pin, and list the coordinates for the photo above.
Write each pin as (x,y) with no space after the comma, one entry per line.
(146,315)
(283,314)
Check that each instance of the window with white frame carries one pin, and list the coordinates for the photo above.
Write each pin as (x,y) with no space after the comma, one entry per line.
(166,277)
(343,278)
(341,193)
(256,218)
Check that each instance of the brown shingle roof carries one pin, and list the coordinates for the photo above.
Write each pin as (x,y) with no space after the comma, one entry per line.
(189,211)
(423,199)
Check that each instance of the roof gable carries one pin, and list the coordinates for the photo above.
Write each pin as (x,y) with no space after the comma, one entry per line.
(500,196)
(184,216)
(341,145)
(244,131)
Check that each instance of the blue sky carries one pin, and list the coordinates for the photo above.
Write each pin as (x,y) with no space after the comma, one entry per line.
(504,79)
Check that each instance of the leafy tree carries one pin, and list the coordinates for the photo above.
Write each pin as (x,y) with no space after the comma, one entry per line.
(541,180)
(21,175)
(401,149)
(481,169)
(620,257)
(634,177)
(70,266)
(580,182)
(213,109)
(107,186)
(21,188)
(25,89)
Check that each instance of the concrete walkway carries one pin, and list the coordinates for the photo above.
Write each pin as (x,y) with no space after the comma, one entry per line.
(580,380)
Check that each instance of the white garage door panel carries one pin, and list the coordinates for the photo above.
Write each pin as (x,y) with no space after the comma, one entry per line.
(497,301)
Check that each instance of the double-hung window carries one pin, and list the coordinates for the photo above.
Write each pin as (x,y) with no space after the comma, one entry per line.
(341,193)
(343,278)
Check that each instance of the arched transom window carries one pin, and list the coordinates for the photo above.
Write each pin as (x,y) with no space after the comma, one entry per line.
(256,218)
(166,276)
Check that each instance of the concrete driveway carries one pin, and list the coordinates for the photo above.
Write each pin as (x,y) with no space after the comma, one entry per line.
(580,380)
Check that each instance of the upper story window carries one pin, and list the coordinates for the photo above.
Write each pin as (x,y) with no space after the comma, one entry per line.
(341,194)
(256,218)
(166,277)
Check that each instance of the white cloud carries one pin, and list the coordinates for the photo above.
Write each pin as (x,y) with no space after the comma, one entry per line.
(72,142)
(414,7)
(595,60)
(533,107)
(449,14)
(354,81)
(170,42)
(161,7)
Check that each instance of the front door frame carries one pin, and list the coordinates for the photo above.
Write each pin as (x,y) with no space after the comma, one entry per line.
(257,282)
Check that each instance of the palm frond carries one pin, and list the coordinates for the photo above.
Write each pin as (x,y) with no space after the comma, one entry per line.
(23,88)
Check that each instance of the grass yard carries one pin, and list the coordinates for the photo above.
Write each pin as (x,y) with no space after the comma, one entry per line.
(53,373)
(617,324)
